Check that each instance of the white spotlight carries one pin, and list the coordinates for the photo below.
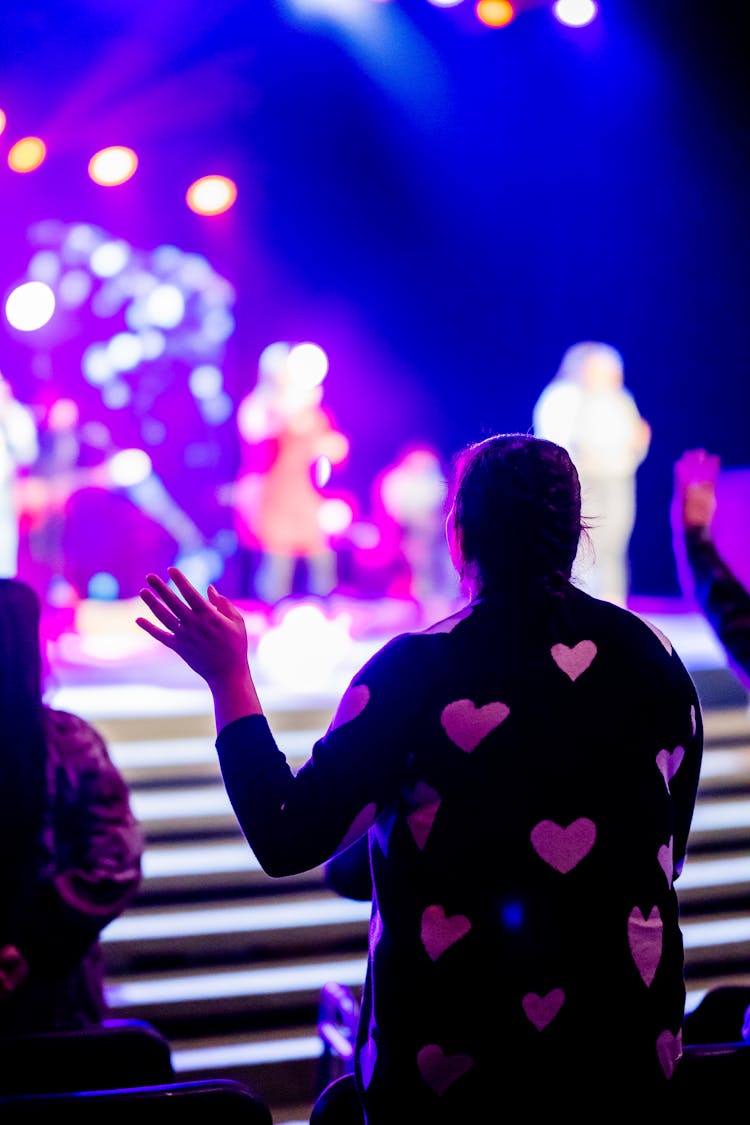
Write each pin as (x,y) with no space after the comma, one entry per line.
(30,306)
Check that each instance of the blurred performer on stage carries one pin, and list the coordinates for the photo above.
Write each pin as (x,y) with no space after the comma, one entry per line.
(409,498)
(289,444)
(587,409)
(19,447)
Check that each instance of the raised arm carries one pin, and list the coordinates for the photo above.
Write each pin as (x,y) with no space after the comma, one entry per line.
(209,634)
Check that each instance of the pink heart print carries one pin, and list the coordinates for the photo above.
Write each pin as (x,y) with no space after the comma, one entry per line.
(669,763)
(368,1056)
(573,661)
(425,802)
(669,1051)
(563,848)
(666,861)
(440,932)
(645,941)
(541,1010)
(466,725)
(353,703)
(439,1070)
(364,819)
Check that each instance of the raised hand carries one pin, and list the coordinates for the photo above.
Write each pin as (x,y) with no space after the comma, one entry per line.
(209,634)
(696,473)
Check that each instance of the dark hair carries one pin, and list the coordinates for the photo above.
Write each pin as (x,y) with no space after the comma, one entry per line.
(23,781)
(517,511)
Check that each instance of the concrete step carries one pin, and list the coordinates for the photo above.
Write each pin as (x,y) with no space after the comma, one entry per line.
(195,870)
(173,998)
(708,878)
(177,760)
(283,1067)
(717,940)
(233,929)
(720,822)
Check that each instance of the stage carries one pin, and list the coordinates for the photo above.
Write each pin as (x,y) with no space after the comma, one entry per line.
(302,655)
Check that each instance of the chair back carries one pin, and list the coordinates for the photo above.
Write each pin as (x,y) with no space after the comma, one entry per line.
(711,1075)
(115,1053)
(338,1016)
(224,1100)
(722,1016)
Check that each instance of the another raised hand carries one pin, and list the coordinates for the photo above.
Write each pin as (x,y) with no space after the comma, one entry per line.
(695,487)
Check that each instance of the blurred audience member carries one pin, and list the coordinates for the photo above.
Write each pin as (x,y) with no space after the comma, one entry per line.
(588,410)
(409,498)
(19,447)
(703,573)
(70,847)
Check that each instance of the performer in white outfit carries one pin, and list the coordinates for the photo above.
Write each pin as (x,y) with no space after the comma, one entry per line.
(19,446)
(587,409)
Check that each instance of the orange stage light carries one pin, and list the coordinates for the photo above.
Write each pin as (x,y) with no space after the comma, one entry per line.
(211,195)
(27,154)
(495,13)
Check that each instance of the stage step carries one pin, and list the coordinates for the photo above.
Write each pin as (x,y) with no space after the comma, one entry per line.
(177,998)
(229,930)
(194,869)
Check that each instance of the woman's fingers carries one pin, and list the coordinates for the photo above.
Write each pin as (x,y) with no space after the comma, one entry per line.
(162,590)
(195,600)
(180,607)
(158,634)
(162,612)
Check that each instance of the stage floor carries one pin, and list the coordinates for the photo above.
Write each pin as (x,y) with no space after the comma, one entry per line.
(102,664)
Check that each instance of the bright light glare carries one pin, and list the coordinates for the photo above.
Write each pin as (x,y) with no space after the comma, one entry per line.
(211,195)
(30,306)
(165,306)
(445,3)
(273,360)
(3,121)
(27,154)
(109,258)
(113,165)
(307,365)
(335,516)
(124,351)
(305,647)
(44,266)
(217,409)
(74,287)
(129,467)
(575,13)
(322,472)
(96,366)
(205,381)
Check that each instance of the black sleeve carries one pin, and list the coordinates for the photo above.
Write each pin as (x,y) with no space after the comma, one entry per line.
(349,874)
(722,598)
